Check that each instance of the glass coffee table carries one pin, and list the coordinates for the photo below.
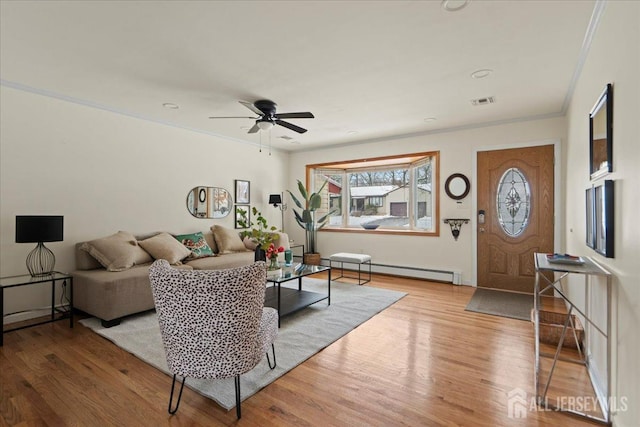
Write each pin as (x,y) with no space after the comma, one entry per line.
(289,300)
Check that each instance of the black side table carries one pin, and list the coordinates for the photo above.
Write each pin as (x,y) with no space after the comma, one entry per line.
(26,280)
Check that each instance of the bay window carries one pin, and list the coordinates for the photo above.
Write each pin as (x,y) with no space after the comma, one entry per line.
(396,194)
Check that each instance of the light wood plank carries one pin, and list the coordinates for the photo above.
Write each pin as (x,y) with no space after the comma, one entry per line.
(423,361)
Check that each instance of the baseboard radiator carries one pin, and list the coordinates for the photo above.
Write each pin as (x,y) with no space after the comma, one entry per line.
(448,276)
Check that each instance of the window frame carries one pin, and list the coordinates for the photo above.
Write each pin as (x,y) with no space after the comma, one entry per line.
(398,161)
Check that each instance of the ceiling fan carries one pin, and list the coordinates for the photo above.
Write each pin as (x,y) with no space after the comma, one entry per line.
(267,116)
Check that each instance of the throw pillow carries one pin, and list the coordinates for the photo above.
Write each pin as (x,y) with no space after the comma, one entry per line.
(249,243)
(228,240)
(117,252)
(196,243)
(165,246)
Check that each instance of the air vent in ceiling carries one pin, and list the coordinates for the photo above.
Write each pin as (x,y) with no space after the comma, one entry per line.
(286,137)
(483,101)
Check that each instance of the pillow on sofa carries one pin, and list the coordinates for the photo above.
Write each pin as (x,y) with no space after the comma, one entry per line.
(228,240)
(196,243)
(165,246)
(117,252)
(249,243)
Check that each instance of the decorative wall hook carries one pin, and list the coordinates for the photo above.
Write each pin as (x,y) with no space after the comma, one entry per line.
(456,225)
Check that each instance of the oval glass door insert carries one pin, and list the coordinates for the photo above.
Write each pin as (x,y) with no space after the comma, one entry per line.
(513,202)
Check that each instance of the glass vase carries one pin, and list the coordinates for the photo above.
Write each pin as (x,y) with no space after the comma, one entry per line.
(273,263)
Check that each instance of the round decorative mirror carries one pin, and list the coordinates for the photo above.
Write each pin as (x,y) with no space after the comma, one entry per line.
(209,202)
(457,186)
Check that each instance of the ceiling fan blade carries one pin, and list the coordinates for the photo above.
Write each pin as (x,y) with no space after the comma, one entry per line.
(251,107)
(291,126)
(305,115)
(234,117)
(254,129)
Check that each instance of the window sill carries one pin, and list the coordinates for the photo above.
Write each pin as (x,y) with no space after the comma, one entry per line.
(435,233)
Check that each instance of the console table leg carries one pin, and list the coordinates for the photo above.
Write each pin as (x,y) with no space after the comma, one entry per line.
(2,315)
(329,287)
(70,302)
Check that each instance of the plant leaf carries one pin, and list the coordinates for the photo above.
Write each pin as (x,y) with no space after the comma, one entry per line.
(315,201)
(303,191)
(295,200)
(306,216)
(326,217)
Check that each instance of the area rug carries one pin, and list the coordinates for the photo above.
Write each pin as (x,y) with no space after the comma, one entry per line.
(300,336)
(501,303)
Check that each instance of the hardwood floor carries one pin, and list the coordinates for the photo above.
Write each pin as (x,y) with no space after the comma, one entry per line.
(424,361)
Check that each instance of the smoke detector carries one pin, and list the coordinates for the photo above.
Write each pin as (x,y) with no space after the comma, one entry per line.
(483,101)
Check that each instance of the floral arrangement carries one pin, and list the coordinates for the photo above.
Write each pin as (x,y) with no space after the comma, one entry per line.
(272,255)
(272,251)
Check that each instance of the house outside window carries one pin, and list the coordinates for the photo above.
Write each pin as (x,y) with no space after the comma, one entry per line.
(375,201)
(398,193)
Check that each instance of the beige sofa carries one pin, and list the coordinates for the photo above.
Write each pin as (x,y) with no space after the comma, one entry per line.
(112,295)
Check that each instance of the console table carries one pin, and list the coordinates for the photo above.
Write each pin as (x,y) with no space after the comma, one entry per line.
(588,269)
(27,280)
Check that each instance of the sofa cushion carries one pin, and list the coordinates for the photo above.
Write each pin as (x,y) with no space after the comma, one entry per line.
(117,252)
(196,243)
(208,237)
(232,260)
(165,246)
(228,240)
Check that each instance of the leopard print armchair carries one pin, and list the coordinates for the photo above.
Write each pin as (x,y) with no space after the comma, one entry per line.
(213,322)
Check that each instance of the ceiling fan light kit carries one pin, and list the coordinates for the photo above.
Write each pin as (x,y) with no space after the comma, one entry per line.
(264,124)
(267,116)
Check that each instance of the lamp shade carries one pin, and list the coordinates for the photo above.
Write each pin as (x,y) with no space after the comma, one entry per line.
(275,199)
(39,228)
(265,124)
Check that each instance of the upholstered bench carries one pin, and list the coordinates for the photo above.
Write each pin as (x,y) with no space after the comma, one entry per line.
(344,257)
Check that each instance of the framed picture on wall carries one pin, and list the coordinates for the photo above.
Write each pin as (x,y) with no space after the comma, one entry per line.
(242,217)
(601,135)
(243,193)
(604,218)
(590,223)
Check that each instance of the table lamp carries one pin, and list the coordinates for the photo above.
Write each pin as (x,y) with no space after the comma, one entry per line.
(39,229)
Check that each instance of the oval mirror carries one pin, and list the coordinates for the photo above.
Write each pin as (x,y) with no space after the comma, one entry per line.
(457,186)
(209,202)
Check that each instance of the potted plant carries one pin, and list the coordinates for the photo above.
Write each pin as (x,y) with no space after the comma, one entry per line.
(306,218)
(260,234)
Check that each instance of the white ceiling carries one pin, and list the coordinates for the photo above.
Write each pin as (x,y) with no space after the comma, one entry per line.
(366,69)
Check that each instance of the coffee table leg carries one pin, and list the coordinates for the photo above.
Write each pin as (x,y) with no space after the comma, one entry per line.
(278,304)
(299,283)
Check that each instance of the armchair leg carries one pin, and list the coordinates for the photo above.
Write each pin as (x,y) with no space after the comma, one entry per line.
(273,349)
(238,410)
(173,383)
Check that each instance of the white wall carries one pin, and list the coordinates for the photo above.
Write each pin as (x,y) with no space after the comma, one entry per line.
(613,58)
(107,172)
(457,153)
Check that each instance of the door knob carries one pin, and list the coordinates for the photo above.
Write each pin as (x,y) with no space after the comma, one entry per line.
(482,229)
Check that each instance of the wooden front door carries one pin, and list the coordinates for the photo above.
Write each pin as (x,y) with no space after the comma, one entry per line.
(515,191)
